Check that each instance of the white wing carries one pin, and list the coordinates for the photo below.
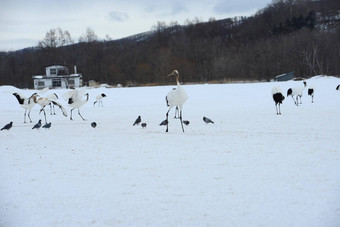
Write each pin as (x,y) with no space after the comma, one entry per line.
(70,94)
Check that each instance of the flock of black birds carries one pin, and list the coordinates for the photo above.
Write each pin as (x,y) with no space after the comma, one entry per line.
(94,124)
(36,126)
(165,122)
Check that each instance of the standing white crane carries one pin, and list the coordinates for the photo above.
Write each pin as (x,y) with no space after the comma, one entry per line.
(44,101)
(297,91)
(26,103)
(176,97)
(75,99)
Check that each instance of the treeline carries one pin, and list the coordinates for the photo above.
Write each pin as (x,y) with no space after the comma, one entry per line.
(288,35)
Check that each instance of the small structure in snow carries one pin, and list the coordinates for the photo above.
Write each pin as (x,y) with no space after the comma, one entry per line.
(57,76)
(285,76)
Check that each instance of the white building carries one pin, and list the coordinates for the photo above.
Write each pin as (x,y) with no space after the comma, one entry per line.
(57,76)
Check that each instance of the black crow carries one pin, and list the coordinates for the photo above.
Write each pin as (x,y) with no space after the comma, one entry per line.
(138,120)
(47,125)
(207,120)
(37,125)
(165,122)
(186,122)
(8,126)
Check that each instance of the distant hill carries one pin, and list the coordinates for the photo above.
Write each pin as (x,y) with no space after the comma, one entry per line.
(287,35)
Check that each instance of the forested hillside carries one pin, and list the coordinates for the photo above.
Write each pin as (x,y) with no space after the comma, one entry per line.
(288,35)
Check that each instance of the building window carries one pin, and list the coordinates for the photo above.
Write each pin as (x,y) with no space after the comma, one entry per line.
(56,83)
(41,83)
(71,82)
(63,71)
(53,71)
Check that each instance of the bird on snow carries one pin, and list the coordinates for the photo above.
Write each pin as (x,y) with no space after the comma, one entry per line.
(8,126)
(278,98)
(47,125)
(143,125)
(37,125)
(207,120)
(94,124)
(26,103)
(99,99)
(297,92)
(137,121)
(75,100)
(165,122)
(186,122)
(176,97)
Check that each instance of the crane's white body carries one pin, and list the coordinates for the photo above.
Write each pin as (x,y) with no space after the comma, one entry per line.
(276,89)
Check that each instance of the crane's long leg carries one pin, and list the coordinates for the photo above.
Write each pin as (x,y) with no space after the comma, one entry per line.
(167,115)
(180,117)
(44,114)
(294,100)
(279,108)
(29,116)
(176,112)
(276,109)
(71,114)
(25,116)
(81,116)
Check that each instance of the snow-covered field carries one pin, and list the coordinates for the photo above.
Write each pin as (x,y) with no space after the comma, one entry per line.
(251,168)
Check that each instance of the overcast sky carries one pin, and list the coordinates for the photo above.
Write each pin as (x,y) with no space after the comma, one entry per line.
(23,23)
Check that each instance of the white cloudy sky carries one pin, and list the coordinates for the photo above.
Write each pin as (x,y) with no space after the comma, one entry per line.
(23,23)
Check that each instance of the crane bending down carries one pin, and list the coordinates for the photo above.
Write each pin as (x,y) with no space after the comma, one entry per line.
(297,92)
(26,103)
(74,99)
(176,97)
(278,98)
(44,101)
(99,99)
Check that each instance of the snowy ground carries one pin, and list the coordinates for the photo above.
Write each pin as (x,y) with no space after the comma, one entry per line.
(251,168)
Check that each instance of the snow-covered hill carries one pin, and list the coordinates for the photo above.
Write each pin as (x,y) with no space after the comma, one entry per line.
(251,168)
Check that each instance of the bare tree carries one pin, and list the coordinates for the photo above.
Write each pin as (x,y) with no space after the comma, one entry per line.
(89,37)
(56,38)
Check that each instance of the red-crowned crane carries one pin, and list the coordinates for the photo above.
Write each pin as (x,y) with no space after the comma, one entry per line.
(26,103)
(75,99)
(278,98)
(311,91)
(44,101)
(297,91)
(176,97)
(99,99)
